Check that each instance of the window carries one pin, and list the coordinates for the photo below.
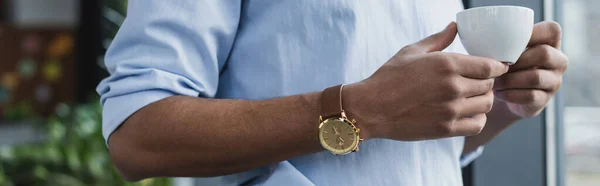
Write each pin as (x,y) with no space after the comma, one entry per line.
(581,91)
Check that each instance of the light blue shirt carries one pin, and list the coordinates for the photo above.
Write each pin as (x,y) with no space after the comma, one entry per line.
(260,49)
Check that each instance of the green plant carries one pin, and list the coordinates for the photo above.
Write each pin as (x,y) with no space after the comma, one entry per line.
(73,154)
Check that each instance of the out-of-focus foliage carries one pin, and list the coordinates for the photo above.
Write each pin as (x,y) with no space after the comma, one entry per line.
(72,154)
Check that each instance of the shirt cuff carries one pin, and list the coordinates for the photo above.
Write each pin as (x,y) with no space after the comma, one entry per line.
(117,109)
(466,159)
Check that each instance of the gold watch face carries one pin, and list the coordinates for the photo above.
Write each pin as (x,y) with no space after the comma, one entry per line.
(338,136)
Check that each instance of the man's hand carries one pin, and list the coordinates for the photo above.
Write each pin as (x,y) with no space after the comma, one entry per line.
(422,93)
(528,86)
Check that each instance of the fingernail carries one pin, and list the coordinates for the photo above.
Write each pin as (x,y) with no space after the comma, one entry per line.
(449,25)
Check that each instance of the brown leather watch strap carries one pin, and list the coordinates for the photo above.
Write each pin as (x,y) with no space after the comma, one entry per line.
(331,102)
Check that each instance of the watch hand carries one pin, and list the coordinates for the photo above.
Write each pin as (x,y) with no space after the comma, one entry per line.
(335,130)
(341,139)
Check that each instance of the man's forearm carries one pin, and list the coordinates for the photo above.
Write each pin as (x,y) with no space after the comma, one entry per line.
(197,137)
(497,121)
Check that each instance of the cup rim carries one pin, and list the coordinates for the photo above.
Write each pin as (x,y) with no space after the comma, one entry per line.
(494,7)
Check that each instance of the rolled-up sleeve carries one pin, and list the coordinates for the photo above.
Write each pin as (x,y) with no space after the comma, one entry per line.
(166,48)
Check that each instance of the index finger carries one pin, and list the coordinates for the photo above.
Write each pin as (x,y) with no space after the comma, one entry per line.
(476,67)
(547,32)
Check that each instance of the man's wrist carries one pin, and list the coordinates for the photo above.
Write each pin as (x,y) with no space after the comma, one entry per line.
(500,116)
(353,102)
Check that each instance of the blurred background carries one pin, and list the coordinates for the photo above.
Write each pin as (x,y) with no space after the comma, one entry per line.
(51,55)
(51,59)
(581,26)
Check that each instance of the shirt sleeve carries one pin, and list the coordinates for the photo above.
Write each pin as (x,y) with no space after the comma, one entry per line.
(466,159)
(166,48)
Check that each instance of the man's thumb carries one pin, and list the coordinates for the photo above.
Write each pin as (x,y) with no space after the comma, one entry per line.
(435,42)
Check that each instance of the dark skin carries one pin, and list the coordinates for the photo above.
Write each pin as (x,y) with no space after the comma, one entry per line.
(198,137)
(529,84)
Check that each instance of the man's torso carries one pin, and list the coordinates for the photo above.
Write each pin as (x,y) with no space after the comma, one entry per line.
(293,47)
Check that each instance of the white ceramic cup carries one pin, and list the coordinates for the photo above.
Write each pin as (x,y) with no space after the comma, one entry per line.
(497,32)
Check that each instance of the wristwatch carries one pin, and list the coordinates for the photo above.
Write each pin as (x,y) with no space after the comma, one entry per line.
(337,134)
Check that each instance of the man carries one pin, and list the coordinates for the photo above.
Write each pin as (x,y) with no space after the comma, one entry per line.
(237,89)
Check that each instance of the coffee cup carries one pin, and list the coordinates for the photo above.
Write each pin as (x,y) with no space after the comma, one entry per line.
(497,32)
